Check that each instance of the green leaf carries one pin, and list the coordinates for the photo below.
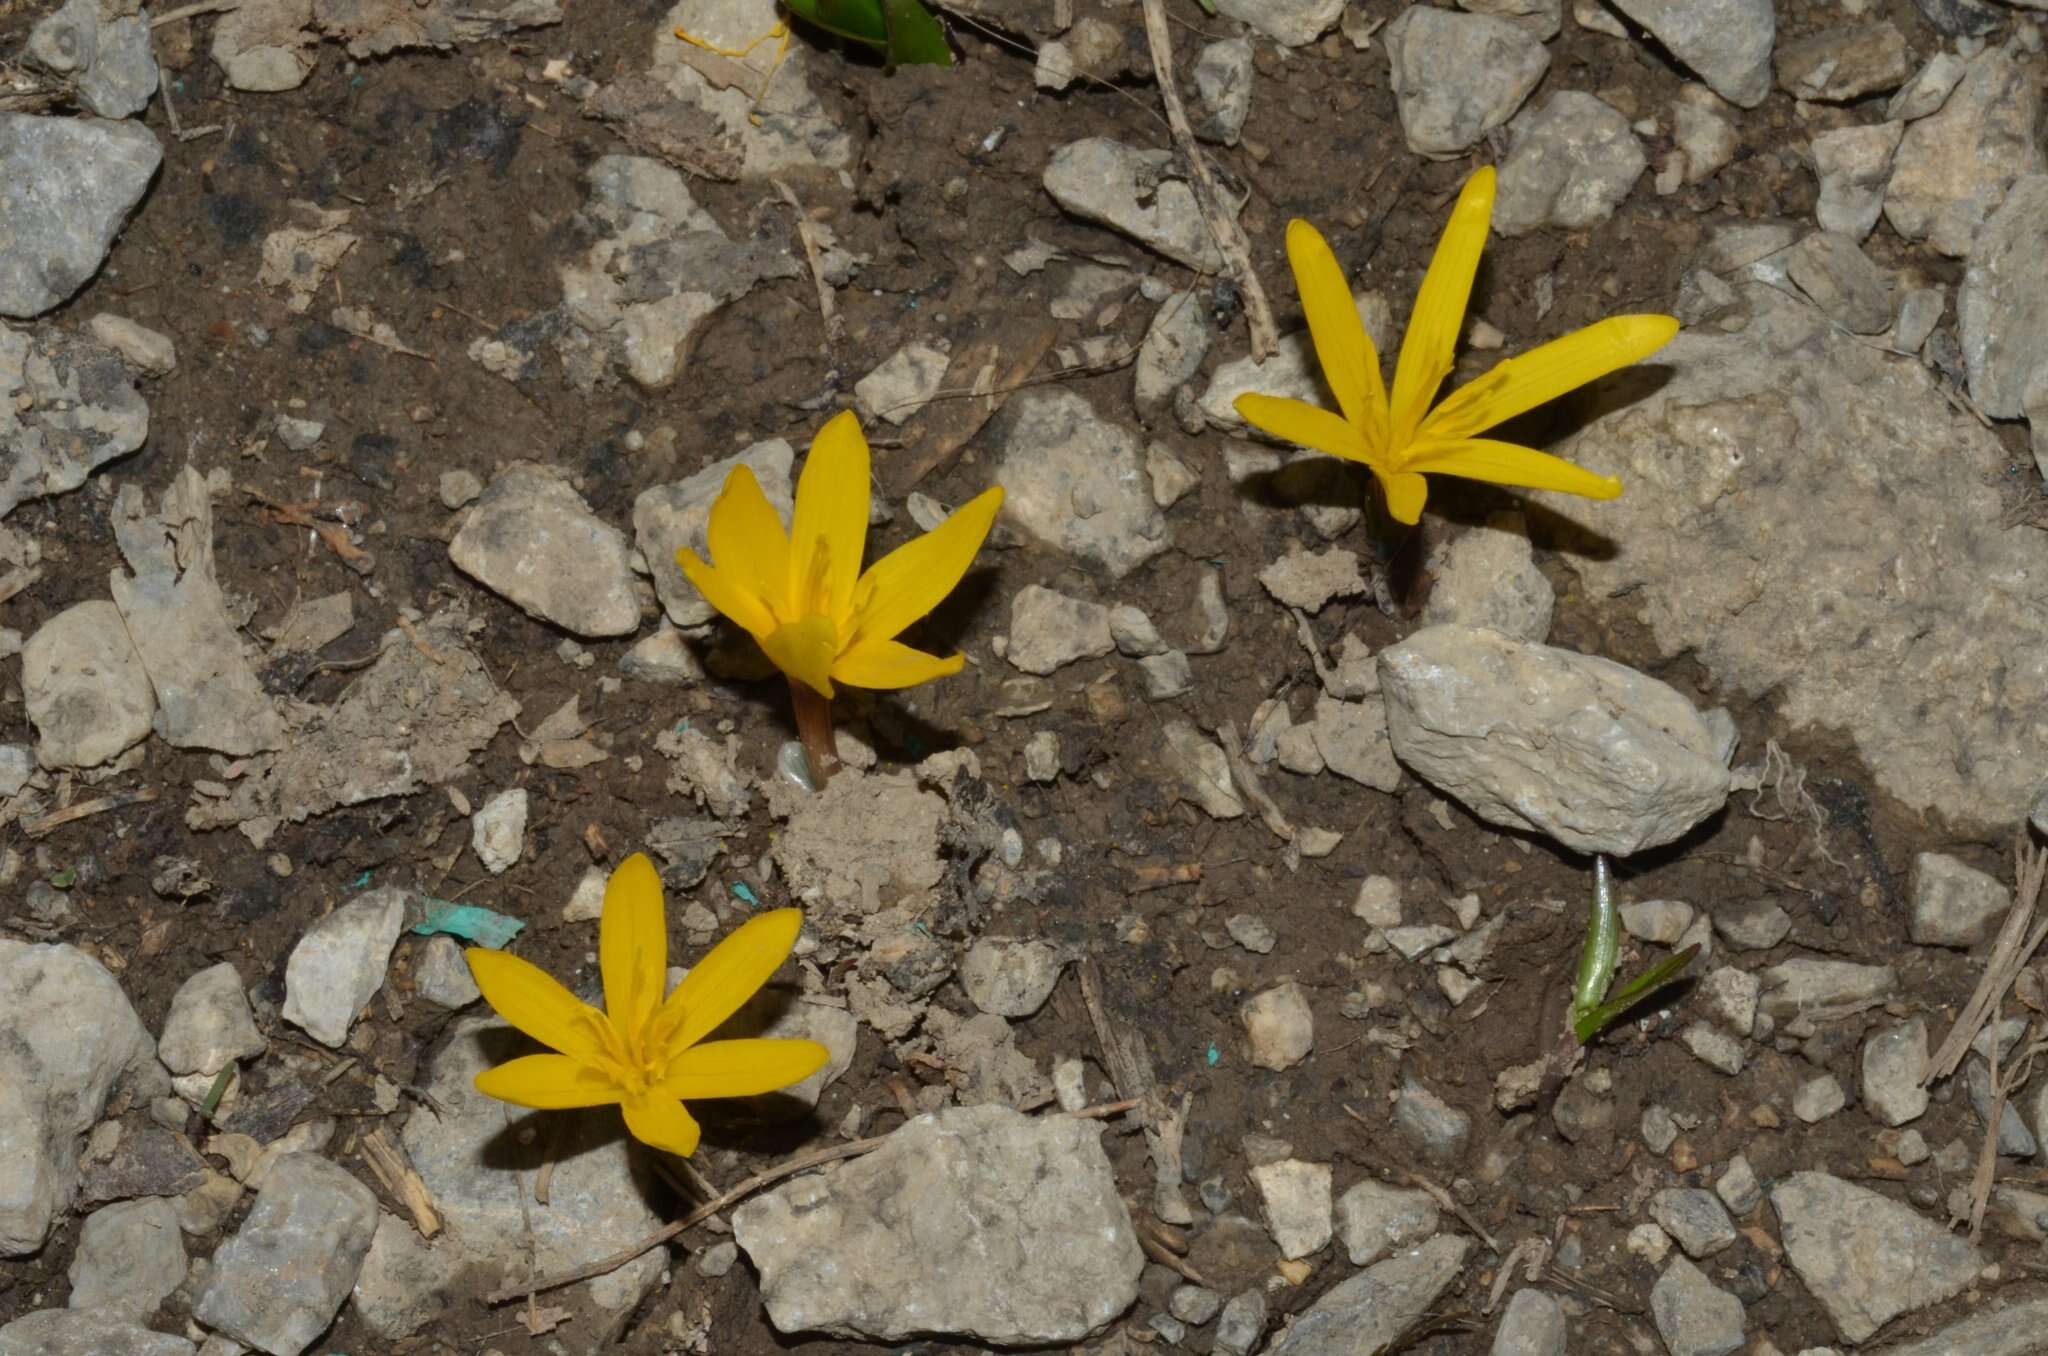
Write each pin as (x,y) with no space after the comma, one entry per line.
(1590,1022)
(860,20)
(915,36)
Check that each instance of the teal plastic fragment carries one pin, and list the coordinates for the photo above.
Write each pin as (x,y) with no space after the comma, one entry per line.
(471,922)
(745,894)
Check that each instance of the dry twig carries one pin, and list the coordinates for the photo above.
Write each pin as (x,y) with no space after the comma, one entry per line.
(835,328)
(57,819)
(2017,941)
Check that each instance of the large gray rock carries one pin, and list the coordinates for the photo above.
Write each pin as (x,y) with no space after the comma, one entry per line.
(66,187)
(1367,1313)
(1953,168)
(1727,43)
(84,687)
(1694,1316)
(130,1255)
(108,60)
(57,1071)
(667,518)
(2002,308)
(67,407)
(1866,1257)
(1839,277)
(1456,76)
(1136,192)
(973,1221)
(533,539)
(1569,164)
(1899,579)
(1599,757)
(85,1332)
(340,963)
(1291,23)
(2012,1331)
(281,1279)
(1076,481)
(405,1283)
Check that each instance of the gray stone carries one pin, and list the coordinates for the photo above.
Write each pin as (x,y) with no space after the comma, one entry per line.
(57,1072)
(1790,419)
(1431,1124)
(17,768)
(1865,1257)
(1662,921)
(786,130)
(85,1332)
(1174,346)
(459,489)
(340,962)
(109,61)
(1202,770)
(1738,244)
(1376,1220)
(1019,1235)
(1803,984)
(1954,904)
(1702,130)
(1291,23)
(1532,1325)
(1818,1098)
(1279,1026)
(1738,1187)
(1837,65)
(498,830)
(1456,77)
(1727,43)
(1599,757)
(1694,1316)
(1716,1049)
(1753,925)
(1854,164)
(130,1255)
(281,1279)
(1731,998)
(1310,579)
(2002,307)
(1254,934)
(663,657)
(266,46)
(1839,277)
(1893,1059)
(903,384)
(149,351)
(1010,978)
(1659,1127)
(1242,1324)
(2014,1139)
(1136,192)
(1194,1304)
(1920,310)
(1074,481)
(1570,163)
(442,977)
(404,1282)
(533,539)
(210,1024)
(1295,1198)
(670,517)
(84,687)
(1929,88)
(1543,18)
(2012,1331)
(1351,739)
(1487,576)
(1223,84)
(1953,168)
(1049,630)
(1133,632)
(1369,1311)
(67,407)
(67,186)
(1292,372)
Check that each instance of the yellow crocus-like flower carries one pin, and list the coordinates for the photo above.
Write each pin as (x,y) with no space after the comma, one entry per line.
(1401,439)
(801,592)
(645,1052)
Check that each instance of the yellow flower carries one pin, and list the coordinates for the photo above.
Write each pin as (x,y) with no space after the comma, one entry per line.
(801,593)
(1400,440)
(644,1052)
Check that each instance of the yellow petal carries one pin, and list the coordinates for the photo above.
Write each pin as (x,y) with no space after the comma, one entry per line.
(1406,493)
(548,1082)
(805,650)
(1507,464)
(746,537)
(727,594)
(829,530)
(1309,425)
(916,577)
(531,999)
(741,1068)
(730,974)
(632,944)
(1547,372)
(1351,365)
(661,1122)
(886,665)
(1432,338)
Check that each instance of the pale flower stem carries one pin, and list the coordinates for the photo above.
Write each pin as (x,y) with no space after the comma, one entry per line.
(814,730)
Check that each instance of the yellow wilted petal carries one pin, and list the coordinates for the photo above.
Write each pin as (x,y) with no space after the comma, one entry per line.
(916,577)
(805,650)
(730,974)
(746,538)
(632,943)
(1406,493)
(1351,365)
(1508,464)
(727,594)
(1546,372)
(741,1068)
(1309,425)
(662,1122)
(829,530)
(1432,339)
(886,665)
(548,1083)
(531,999)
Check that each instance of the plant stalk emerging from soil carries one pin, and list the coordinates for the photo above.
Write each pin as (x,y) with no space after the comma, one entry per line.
(1592,1010)
(814,730)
